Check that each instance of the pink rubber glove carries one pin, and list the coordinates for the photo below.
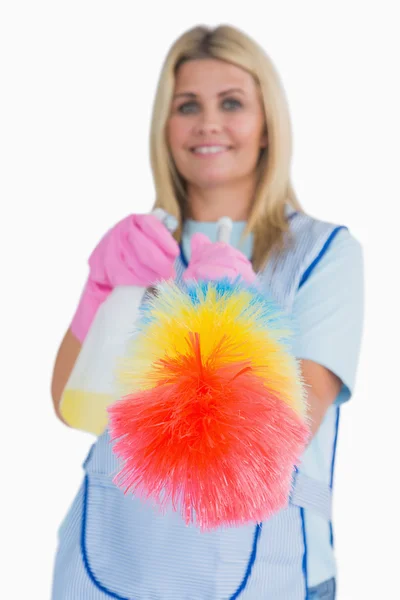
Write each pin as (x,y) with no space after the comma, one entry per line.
(139,250)
(211,261)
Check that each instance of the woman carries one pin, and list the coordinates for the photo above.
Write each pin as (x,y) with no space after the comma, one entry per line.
(221,146)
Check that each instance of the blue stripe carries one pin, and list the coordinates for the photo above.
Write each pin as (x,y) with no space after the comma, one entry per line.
(304,566)
(333,465)
(335,445)
(183,257)
(83,547)
(251,563)
(325,247)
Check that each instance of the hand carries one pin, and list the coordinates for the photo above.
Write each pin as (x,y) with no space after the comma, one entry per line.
(139,250)
(210,261)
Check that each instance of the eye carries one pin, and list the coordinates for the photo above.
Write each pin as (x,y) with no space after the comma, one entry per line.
(188,108)
(231,104)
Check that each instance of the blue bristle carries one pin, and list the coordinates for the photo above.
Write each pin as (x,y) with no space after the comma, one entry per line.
(269,314)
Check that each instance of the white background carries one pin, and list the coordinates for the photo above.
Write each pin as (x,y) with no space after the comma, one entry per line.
(77,83)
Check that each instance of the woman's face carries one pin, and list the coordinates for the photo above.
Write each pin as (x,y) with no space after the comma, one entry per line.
(216,127)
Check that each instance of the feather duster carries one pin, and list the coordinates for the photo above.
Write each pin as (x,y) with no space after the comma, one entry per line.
(212,416)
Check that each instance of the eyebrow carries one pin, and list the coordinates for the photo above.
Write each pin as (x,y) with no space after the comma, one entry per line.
(193,95)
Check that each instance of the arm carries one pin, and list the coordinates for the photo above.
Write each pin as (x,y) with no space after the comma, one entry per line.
(323,387)
(139,250)
(328,310)
(64,363)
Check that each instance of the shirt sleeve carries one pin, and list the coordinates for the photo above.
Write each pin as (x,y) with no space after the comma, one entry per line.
(328,311)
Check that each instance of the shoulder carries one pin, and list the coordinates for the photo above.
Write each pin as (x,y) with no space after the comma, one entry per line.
(310,246)
(328,306)
(332,282)
(324,245)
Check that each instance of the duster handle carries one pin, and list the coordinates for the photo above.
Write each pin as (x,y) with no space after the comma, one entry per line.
(224,230)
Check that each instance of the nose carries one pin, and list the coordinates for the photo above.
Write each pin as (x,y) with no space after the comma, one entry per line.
(208,128)
(208,123)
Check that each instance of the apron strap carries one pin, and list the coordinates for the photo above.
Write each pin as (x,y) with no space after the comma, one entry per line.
(312,494)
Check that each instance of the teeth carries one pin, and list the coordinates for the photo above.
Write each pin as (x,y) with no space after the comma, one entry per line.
(209,149)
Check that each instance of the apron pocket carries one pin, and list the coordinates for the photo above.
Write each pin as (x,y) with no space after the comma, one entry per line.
(133,551)
(282,552)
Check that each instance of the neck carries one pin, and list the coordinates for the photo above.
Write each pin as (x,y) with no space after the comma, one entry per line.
(210,204)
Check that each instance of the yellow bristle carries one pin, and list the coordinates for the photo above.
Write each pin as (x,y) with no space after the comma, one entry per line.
(174,316)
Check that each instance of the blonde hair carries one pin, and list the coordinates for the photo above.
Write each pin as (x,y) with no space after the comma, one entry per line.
(267,219)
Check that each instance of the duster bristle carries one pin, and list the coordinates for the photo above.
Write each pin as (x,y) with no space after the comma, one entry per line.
(212,420)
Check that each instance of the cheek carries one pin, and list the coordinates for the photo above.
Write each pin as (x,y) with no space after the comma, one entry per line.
(247,130)
(177,134)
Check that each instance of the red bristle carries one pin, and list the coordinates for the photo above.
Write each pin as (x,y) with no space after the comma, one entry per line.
(194,340)
(209,438)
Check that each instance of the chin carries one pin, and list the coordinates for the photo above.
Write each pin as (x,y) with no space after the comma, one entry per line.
(210,180)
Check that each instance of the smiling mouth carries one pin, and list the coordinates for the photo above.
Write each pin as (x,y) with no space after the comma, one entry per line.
(209,150)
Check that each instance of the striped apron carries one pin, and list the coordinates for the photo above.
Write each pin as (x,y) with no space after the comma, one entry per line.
(117,546)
